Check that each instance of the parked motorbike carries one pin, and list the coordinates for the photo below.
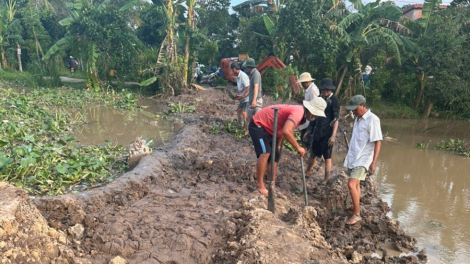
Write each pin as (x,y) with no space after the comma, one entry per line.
(211,78)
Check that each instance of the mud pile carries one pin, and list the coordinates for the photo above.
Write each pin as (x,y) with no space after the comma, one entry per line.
(193,200)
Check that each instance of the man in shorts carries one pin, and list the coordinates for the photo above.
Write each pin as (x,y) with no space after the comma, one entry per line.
(363,151)
(324,129)
(243,85)
(255,101)
(261,132)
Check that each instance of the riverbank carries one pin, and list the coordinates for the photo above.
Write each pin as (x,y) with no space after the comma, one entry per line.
(194,201)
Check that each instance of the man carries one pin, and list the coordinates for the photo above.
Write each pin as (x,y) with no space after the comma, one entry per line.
(363,150)
(71,64)
(325,128)
(261,131)
(311,91)
(243,85)
(255,99)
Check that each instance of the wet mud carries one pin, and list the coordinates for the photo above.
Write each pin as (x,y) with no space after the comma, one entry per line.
(193,200)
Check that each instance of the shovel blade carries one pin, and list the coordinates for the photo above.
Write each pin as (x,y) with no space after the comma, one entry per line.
(271,199)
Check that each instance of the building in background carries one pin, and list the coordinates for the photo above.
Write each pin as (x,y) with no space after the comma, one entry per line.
(413,12)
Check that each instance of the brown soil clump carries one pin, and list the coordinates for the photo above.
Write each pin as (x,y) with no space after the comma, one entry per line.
(193,200)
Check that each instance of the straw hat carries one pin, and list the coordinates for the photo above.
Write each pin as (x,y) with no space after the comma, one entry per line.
(316,107)
(305,77)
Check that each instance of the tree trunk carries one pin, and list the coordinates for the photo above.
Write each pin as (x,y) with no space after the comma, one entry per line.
(428,109)
(4,60)
(18,53)
(190,4)
(421,92)
(186,59)
(340,82)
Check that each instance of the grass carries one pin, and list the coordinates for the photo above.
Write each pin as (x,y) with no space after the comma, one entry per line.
(384,110)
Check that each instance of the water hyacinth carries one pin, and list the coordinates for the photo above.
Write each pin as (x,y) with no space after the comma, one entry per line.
(38,151)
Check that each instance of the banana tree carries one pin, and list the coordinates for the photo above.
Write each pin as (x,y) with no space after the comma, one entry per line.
(420,33)
(91,31)
(7,14)
(374,24)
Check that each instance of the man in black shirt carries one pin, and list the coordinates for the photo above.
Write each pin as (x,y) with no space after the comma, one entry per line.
(324,128)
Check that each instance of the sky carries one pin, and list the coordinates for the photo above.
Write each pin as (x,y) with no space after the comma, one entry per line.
(398,2)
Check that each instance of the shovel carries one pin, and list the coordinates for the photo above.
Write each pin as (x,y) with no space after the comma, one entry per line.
(303,180)
(271,202)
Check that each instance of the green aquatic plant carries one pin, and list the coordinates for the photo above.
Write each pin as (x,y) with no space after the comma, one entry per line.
(422,145)
(38,151)
(454,145)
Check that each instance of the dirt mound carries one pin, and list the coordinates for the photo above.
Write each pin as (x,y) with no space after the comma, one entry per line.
(194,201)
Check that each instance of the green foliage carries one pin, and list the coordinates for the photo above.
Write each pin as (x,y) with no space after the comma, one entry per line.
(302,25)
(396,110)
(208,54)
(181,108)
(454,145)
(38,151)
(277,82)
(422,145)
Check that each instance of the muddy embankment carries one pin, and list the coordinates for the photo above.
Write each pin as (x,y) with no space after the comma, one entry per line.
(194,201)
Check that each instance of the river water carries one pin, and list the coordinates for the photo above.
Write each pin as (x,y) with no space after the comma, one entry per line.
(122,127)
(428,191)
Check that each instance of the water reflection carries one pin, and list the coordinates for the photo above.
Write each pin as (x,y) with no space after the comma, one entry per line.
(121,127)
(428,190)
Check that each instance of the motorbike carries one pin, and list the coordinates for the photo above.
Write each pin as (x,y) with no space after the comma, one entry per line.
(211,78)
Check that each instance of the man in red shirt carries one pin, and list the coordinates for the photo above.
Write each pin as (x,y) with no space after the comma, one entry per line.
(289,118)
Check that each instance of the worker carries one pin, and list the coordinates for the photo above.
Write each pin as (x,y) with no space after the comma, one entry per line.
(243,85)
(71,64)
(255,99)
(311,91)
(324,129)
(261,132)
(363,150)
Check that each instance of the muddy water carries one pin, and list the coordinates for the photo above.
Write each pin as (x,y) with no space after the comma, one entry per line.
(428,191)
(122,127)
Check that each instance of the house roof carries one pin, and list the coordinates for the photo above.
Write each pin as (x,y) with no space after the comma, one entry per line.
(420,6)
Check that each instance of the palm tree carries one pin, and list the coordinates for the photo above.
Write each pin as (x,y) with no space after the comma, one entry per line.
(374,24)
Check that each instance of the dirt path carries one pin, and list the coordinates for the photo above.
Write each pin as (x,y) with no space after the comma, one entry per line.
(194,201)
(75,80)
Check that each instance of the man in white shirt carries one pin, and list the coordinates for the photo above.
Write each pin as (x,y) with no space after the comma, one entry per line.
(363,150)
(243,85)
(311,91)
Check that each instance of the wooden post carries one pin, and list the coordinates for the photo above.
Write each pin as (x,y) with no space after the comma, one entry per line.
(18,53)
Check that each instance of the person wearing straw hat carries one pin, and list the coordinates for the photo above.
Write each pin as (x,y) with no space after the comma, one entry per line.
(261,132)
(364,149)
(255,101)
(325,128)
(311,91)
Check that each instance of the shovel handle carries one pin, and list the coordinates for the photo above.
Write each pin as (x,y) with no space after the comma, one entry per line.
(303,181)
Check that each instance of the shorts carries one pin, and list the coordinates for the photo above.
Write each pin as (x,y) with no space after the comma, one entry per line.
(321,148)
(243,105)
(250,112)
(358,173)
(262,141)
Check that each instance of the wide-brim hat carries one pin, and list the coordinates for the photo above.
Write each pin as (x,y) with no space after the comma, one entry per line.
(316,107)
(356,101)
(250,63)
(327,84)
(305,77)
